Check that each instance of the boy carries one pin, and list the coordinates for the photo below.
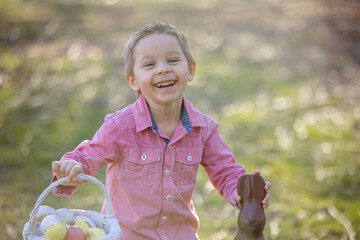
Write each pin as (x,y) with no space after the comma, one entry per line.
(153,148)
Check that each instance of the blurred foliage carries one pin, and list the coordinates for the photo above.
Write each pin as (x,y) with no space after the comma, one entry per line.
(280,77)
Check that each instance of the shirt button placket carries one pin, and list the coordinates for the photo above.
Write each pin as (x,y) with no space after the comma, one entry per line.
(167,188)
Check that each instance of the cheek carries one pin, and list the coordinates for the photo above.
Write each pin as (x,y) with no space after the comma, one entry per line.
(142,76)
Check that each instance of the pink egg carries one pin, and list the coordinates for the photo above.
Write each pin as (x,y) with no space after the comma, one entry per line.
(74,233)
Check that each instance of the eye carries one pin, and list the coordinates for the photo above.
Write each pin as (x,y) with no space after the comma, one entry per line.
(173,60)
(149,64)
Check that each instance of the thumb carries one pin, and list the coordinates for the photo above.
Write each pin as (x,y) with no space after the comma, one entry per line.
(55,165)
(237,198)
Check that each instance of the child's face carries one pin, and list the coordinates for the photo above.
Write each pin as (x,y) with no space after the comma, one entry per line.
(161,70)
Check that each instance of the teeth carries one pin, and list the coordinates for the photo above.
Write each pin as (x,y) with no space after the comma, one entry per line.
(165,84)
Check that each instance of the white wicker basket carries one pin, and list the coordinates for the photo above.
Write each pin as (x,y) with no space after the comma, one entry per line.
(106,222)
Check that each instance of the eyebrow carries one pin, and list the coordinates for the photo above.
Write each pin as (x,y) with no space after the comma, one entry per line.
(144,58)
(176,52)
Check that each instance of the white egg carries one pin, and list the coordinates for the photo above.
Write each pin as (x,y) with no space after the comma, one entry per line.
(88,220)
(45,211)
(48,221)
(65,215)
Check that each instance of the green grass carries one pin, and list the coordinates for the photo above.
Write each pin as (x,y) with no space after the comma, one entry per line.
(61,72)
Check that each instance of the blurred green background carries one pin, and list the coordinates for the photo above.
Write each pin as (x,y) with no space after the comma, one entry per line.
(281,77)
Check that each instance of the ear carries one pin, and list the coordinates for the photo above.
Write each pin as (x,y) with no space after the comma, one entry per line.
(192,71)
(133,84)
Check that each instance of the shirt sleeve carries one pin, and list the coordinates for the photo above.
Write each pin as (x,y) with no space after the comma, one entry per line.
(219,163)
(94,154)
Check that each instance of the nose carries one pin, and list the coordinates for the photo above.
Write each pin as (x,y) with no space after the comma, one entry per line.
(163,69)
(252,220)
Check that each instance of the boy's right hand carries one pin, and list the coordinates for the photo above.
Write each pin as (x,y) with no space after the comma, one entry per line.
(70,169)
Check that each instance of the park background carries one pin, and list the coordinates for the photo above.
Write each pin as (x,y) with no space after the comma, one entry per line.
(281,77)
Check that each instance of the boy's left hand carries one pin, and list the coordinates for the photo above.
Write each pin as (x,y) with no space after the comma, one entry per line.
(265,202)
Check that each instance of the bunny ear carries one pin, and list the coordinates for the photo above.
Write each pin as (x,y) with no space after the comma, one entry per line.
(243,187)
(251,186)
(258,185)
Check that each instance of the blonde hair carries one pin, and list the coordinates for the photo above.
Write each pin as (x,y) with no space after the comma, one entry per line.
(159,27)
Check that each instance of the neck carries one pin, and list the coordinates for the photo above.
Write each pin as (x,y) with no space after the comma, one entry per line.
(167,117)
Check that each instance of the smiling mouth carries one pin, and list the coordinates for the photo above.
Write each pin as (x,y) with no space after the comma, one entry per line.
(165,84)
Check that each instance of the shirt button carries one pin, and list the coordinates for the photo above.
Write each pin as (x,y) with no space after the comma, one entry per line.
(143,157)
(164,218)
(165,238)
(189,158)
(168,197)
(167,172)
(169,146)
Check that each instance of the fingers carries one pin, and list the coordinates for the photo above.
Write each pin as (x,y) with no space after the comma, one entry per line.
(68,169)
(237,200)
(55,166)
(267,186)
(62,168)
(257,172)
(73,172)
(266,202)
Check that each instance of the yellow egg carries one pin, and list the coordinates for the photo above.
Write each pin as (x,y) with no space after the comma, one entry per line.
(48,221)
(95,233)
(87,219)
(83,225)
(57,231)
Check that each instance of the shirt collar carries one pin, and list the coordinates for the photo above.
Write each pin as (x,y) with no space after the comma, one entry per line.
(141,114)
(190,115)
(196,117)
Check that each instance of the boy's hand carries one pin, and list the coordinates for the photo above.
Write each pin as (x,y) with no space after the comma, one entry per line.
(265,202)
(68,169)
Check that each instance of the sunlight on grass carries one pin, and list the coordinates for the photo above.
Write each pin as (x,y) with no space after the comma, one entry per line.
(281,87)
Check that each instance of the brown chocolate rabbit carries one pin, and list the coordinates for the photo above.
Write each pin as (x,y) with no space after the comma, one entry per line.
(251,220)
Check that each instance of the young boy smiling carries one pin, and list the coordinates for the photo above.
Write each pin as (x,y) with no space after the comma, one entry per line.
(153,147)
(161,73)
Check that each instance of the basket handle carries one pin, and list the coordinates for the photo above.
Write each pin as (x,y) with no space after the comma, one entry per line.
(109,212)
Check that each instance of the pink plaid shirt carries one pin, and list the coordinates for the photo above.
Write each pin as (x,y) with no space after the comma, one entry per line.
(151,178)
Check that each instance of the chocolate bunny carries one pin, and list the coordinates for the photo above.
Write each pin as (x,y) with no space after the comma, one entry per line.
(251,220)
